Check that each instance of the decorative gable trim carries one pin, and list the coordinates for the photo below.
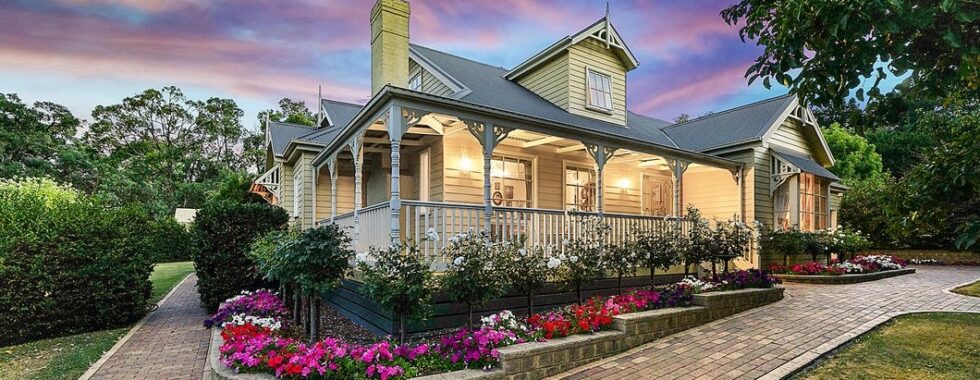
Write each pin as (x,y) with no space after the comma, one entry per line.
(601,30)
(459,90)
(802,114)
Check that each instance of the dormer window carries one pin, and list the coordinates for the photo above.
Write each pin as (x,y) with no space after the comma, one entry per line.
(600,90)
(415,83)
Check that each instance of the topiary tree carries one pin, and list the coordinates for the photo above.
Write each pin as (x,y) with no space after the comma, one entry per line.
(224,233)
(315,261)
(583,257)
(621,260)
(526,270)
(398,278)
(474,272)
(701,240)
(659,249)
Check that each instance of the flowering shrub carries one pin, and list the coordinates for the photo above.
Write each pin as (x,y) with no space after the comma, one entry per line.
(507,321)
(526,270)
(476,348)
(551,325)
(877,263)
(261,303)
(859,264)
(697,285)
(397,278)
(744,279)
(583,259)
(659,250)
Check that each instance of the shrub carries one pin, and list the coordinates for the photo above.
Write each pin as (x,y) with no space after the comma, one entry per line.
(399,279)
(67,264)
(224,232)
(702,245)
(168,241)
(659,250)
(621,260)
(526,270)
(474,271)
(582,261)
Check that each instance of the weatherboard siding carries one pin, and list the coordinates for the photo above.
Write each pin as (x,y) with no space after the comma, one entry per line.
(430,84)
(713,191)
(550,81)
(789,135)
(590,53)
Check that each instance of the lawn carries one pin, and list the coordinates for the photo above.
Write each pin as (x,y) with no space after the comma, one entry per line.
(917,346)
(969,290)
(69,356)
(165,276)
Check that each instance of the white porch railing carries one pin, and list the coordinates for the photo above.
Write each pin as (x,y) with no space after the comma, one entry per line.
(540,227)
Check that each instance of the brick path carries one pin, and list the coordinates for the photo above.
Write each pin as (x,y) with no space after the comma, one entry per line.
(772,342)
(171,344)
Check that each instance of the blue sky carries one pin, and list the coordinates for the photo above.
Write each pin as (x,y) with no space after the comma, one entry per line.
(85,53)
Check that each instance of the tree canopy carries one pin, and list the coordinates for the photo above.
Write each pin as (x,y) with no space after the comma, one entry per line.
(855,159)
(824,49)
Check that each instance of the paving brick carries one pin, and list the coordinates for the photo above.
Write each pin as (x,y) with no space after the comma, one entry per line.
(775,340)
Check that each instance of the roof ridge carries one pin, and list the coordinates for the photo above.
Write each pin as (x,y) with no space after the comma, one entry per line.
(719,113)
(459,57)
(294,124)
(342,103)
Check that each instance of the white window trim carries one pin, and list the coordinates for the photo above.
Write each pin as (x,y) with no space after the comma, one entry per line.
(411,78)
(297,191)
(588,92)
(534,172)
(565,164)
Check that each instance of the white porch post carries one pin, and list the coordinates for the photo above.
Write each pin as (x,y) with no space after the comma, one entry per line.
(355,148)
(678,167)
(395,124)
(489,136)
(600,154)
(332,168)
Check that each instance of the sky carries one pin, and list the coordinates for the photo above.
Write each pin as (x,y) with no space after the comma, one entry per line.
(83,53)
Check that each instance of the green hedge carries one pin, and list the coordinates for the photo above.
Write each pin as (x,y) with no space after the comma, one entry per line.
(67,264)
(224,232)
(169,241)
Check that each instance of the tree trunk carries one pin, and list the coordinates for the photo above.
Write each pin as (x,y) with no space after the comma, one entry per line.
(714,270)
(530,303)
(652,282)
(619,284)
(401,329)
(297,317)
(469,312)
(687,268)
(578,292)
(314,319)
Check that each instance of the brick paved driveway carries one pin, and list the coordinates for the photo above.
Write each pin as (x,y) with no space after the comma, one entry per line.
(171,344)
(774,341)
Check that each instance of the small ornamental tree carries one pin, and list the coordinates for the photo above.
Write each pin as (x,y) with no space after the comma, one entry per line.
(701,240)
(732,239)
(315,261)
(526,270)
(398,278)
(474,272)
(659,249)
(583,259)
(621,260)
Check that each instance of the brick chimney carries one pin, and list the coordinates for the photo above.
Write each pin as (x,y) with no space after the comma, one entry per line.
(389,44)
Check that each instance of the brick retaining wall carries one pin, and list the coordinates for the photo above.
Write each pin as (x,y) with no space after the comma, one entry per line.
(842,279)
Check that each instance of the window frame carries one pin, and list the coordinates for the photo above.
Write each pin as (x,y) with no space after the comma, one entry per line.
(589,101)
(529,184)
(566,187)
(412,78)
(814,202)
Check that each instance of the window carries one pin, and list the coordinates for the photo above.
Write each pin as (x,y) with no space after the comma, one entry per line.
(511,181)
(580,189)
(600,90)
(297,193)
(415,83)
(813,202)
(782,207)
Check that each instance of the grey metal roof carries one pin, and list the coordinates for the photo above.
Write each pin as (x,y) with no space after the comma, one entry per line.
(281,133)
(805,164)
(490,89)
(741,124)
(340,113)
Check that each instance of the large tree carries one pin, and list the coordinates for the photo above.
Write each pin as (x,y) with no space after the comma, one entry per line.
(856,160)
(165,149)
(824,49)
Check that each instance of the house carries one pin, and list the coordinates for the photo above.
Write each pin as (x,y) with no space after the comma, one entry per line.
(449,144)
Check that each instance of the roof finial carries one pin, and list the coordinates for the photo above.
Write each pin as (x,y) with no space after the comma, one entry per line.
(607,9)
(319,105)
(608,34)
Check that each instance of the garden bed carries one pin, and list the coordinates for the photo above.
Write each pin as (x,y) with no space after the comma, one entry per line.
(534,360)
(842,278)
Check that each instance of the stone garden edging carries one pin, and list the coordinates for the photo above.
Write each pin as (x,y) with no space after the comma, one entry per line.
(536,360)
(841,279)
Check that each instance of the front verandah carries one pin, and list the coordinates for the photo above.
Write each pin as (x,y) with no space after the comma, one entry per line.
(426,174)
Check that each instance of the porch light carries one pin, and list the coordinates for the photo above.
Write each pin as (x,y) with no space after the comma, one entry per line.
(624,183)
(465,164)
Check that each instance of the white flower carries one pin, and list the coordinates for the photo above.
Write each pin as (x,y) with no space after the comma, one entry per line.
(562,256)
(361,257)
(565,242)
(553,263)
(573,258)
(458,261)
(522,252)
(431,234)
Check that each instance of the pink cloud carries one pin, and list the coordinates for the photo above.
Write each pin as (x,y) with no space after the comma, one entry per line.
(726,81)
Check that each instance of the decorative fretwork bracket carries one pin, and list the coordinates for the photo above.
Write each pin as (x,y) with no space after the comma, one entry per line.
(675,164)
(600,153)
(781,172)
(479,130)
